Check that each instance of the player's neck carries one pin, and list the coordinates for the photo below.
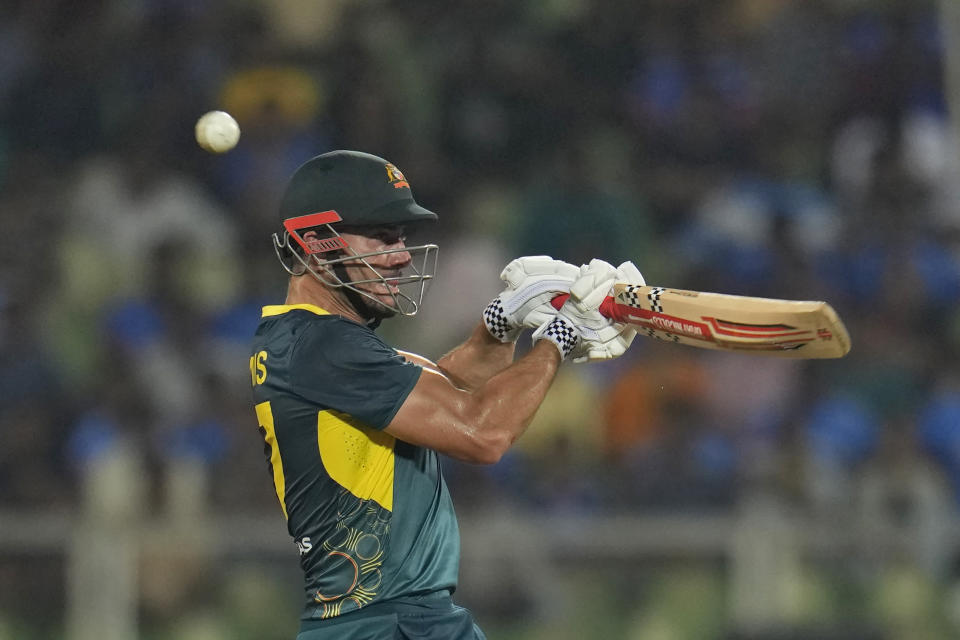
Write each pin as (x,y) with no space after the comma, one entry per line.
(306,290)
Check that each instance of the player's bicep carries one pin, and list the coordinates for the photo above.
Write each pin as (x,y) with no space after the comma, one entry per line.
(439,416)
(430,365)
(417,359)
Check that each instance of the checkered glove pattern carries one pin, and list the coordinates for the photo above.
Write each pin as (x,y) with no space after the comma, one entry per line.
(532,282)
(497,324)
(561,332)
(602,339)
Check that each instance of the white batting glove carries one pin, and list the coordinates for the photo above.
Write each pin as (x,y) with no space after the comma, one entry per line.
(532,282)
(602,339)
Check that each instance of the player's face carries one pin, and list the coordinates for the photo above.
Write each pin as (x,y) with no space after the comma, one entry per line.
(386,265)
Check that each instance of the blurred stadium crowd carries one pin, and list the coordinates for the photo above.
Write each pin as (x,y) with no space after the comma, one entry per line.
(792,149)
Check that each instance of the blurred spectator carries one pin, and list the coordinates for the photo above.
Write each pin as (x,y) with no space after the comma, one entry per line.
(840,434)
(633,406)
(578,208)
(34,404)
(939,429)
(280,112)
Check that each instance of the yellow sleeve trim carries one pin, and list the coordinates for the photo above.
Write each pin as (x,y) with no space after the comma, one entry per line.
(280,309)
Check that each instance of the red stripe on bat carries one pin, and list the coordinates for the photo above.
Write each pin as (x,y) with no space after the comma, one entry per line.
(728,324)
(748,332)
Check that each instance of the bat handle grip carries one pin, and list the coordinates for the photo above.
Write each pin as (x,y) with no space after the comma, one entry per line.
(608,308)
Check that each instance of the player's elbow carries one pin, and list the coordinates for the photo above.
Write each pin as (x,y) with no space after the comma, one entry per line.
(489,446)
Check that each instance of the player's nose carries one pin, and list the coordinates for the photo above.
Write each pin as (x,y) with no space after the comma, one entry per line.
(398,258)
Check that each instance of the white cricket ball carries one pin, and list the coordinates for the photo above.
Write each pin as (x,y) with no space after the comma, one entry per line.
(217,131)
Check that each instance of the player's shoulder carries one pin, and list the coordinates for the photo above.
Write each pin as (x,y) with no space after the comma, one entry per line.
(336,334)
(311,332)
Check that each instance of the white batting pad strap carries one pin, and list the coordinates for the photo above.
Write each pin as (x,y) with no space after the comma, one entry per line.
(561,332)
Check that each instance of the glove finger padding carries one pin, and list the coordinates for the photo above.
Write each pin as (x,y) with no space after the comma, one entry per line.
(520,269)
(595,282)
(606,350)
(539,314)
(602,338)
(601,344)
(628,272)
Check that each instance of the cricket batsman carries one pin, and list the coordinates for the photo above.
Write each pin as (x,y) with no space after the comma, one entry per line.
(353,428)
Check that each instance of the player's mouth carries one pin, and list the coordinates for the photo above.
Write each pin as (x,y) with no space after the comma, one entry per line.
(389,287)
(391,281)
(393,284)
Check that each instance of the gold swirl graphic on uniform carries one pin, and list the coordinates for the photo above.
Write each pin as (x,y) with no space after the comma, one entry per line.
(353,556)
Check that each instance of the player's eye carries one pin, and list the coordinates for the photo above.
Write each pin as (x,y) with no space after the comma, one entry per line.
(391,235)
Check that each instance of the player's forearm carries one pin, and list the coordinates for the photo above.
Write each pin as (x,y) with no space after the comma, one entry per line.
(507,402)
(478,359)
(476,425)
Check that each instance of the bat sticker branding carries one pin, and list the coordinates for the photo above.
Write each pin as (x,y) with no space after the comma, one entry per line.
(677,325)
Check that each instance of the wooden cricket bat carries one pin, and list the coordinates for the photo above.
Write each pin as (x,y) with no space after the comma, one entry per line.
(782,328)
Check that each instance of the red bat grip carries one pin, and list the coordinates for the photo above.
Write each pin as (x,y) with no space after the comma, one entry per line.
(558,301)
(608,308)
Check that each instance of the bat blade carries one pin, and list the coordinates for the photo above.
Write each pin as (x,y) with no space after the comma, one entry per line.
(766,326)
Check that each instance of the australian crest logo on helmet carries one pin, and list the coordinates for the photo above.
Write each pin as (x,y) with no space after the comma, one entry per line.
(345,190)
(396,177)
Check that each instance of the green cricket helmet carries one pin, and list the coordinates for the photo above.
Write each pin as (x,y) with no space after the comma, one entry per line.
(350,191)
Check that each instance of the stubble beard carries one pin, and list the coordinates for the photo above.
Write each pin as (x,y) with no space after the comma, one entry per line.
(373,309)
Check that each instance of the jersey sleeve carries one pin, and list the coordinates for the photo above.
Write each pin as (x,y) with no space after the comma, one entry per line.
(348,368)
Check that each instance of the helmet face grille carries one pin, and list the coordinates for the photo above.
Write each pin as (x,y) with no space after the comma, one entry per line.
(406,289)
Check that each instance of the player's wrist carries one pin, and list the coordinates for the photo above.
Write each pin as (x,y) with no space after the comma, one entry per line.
(560,332)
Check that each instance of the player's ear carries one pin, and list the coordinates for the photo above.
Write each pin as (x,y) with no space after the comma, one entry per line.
(311,240)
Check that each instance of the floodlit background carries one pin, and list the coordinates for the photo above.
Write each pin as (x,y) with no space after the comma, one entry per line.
(785,148)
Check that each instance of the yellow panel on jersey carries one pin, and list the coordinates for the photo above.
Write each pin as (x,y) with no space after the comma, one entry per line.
(265,418)
(358,458)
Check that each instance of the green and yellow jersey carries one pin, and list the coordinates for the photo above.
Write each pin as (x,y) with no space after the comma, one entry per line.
(371,515)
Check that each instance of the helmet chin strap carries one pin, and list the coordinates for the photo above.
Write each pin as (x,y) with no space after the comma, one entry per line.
(354,298)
